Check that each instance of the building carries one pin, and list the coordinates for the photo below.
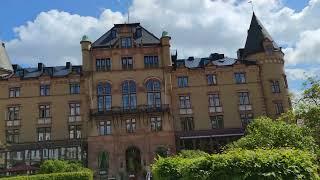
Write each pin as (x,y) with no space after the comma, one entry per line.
(131,100)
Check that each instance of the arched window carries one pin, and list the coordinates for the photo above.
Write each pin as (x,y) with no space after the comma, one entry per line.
(129,95)
(153,93)
(104,96)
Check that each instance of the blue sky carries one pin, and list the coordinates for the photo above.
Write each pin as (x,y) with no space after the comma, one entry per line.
(56,26)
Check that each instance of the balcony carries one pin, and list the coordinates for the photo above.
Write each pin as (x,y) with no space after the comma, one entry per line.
(44,120)
(76,118)
(215,109)
(138,109)
(13,123)
(245,107)
(184,111)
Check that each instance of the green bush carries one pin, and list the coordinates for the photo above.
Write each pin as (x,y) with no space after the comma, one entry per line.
(266,133)
(83,175)
(59,166)
(239,164)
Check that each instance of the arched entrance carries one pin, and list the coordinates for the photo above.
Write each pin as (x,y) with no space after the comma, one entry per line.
(133,161)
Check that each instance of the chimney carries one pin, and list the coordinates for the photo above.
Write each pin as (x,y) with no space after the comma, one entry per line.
(40,66)
(68,65)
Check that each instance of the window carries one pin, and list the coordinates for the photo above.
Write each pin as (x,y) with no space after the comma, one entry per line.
(74,88)
(71,153)
(185,105)
(44,90)
(138,32)
(151,61)
(285,81)
(129,96)
(183,81)
(13,118)
(44,111)
(244,98)
(126,42)
(185,102)
(12,136)
(211,79)
(156,123)
(240,78)
(187,124)
(214,100)
(246,118)
(130,125)
(75,132)
(279,108)
(104,96)
(103,64)
(275,87)
(74,109)
(216,121)
(14,92)
(104,128)
(44,134)
(153,93)
(127,63)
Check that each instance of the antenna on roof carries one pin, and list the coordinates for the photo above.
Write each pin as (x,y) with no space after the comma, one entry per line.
(128,12)
(251,2)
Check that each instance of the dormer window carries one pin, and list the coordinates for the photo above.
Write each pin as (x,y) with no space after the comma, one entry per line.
(138,33)
(113,33)
(126,42)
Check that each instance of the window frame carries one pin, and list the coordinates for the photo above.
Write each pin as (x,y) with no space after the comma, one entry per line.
(211,79)
(187,124)
(75,131)
(103,64)
(131,125)
(183,81)
(217,122)
(46,132)
(240,78)
(156,123)
(74,88)
(14,92)
(45,90)
(104,128)
(151,61)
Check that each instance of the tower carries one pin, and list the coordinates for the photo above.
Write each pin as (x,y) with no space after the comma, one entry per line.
(85,49)
(5,64)
(261,48)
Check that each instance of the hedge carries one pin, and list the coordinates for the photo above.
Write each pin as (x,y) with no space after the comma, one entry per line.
(239,164)
(82,175)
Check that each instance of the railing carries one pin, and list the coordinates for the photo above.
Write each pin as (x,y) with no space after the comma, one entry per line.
(246,107)
(76,118)
(130,110)
(44,120)
(215,109)
(11,123)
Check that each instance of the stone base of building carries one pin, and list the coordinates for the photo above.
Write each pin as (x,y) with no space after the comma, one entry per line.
(127,155)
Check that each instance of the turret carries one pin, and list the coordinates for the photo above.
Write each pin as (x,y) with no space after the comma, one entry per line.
(5,64)
(86,58)
(263,49)
(165,43)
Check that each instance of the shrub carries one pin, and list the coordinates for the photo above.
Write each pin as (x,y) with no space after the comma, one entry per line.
(238,164)
(59,166)
(83,175)
(266,133)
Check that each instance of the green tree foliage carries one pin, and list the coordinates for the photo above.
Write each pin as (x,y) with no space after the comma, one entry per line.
(239,164)
(59,166)
(266,133)
(82,175)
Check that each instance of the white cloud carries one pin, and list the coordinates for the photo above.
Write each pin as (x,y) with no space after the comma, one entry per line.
(301,73)
(197,28)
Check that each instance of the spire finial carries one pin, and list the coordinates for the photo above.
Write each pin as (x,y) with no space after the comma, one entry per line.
(251,2)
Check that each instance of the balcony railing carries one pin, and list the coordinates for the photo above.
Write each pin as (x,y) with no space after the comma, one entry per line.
(44,120)
(130,110)
(11,123)
(76,118)
(245,107)
(215,109)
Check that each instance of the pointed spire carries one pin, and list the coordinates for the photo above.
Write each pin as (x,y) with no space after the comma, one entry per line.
(5,64)
(256,35)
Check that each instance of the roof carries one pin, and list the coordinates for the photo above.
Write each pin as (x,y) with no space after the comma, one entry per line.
(5,64)
(41,70)
(111,37)
(256,35)
(214,59)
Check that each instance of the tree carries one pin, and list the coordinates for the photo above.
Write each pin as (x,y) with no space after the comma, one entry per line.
(263,132)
